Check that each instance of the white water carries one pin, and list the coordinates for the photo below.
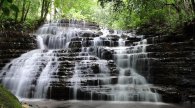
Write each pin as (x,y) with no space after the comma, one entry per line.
(132,86)
(21,73)
(31,75)
(54,37)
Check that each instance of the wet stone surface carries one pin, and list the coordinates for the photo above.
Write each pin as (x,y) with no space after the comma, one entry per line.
(87,54)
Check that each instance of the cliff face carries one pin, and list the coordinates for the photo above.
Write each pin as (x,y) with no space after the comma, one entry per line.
(13,44)
(172,62)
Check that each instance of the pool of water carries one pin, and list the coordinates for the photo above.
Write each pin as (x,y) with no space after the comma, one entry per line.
(35,103)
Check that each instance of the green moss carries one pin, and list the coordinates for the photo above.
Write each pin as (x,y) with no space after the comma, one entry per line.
(8,100)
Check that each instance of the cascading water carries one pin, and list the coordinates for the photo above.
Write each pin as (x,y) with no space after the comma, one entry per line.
(21,73)
(29,76)
(85,62)
(84,73)
(54,37)
(131,85)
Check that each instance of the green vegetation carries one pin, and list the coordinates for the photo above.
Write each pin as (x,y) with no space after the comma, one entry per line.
(23,15)
(8,100)
(118,14)
(135,13)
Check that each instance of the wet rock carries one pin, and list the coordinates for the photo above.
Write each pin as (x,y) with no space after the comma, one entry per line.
(76,39)
(169,60)
(59,92)
(172,65)
(133,39)
(111,31)
(88,34)
(113,37)
(64,21)
(87,42)
(108,55)
(75,44)
(124,36)
(13,44)
(169,94)
(99,33)
(95,68)
(191,98)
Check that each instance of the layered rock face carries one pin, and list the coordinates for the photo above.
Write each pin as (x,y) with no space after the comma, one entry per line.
(13,44)
(172,65)
(77,60)
(81,62)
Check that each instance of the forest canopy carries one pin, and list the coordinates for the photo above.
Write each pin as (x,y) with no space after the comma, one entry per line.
(119,14)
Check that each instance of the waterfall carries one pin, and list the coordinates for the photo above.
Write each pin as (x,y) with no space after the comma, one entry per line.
(131,85)
(54,37)
(76,60)
(21,73)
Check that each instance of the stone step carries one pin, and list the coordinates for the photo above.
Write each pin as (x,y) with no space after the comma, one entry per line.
(78,26)
(172,59)
(9,56)
(19,40)
(66,54)
(13,34)
(86,58)
(171,54)
(167,39)
(172,47)
(9,45)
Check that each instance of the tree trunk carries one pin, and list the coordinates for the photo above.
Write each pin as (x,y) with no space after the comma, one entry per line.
(26,13)
(42,8)
(193,5)
(23,11)
(45,9)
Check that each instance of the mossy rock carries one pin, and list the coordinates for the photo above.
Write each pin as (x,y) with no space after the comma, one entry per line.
(8,100)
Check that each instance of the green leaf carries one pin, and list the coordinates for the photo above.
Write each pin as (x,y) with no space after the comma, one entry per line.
(14,8)
(6,11)
(10,1)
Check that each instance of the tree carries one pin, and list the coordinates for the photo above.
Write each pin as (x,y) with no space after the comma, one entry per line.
(25,9)
(45,5)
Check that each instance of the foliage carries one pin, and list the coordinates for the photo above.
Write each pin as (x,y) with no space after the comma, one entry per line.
(7,6)
(138,12)
(8,100)
(75,9)
(22,12)
(120,14)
